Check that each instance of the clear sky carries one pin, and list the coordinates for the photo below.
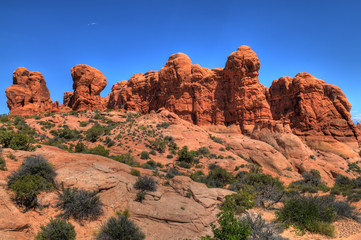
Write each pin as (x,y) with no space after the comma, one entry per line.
(121,38)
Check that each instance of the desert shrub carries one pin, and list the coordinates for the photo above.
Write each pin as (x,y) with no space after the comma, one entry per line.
(2,164)
(151,165)
(311,183)
(26,189)
(347,187)
(16,141)
(203,151)
(314,214)
(109,142)
(126,158)
(83,124)
(170,156)
(185,156)
(158,145)
(230,228)
(120,227)
(215,139)
(144,155)
(66,133)
(218,177)
(140,196)
(99,150)
(80,204)
(267,190)
(34,165)
(172,172)
(197,176)
(4,118)
(146,184)
(238,202)
(80,147)
(163,125)
(57,229)
(152,152)
(135,172)
(93,133)
(354,167)
(260,229)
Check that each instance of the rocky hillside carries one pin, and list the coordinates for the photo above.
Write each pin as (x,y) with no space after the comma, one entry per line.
(200,133)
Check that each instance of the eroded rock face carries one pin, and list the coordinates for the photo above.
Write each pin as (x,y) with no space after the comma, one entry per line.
(312,106)
(233,95)
(29,94)
(88,83)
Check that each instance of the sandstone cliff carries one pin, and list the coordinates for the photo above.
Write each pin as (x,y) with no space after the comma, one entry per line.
(29,94)
(233,95)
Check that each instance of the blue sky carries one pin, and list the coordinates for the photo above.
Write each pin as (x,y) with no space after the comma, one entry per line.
(121,38)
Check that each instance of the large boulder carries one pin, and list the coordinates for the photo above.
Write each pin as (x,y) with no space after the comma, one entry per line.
(88,83)
(29,94)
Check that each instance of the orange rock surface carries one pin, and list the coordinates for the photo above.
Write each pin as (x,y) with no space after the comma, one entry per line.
(233,95)
(88,83)
(29,94)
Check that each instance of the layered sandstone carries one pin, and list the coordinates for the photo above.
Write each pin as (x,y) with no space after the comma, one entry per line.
(88,83)
(233,95)
(29,94)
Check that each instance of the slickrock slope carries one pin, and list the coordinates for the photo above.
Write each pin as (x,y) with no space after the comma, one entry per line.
(29,94)
(88,83)
(164,214)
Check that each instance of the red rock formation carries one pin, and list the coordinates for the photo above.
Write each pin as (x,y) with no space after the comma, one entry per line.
(29,94)
(88,83)
(233,95)
(312,106)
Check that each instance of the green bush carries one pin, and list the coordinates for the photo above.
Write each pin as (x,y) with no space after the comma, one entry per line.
(267,190)
(230,228)
(308,213)
(80,147)
(34,165)
(26,189)
(83,124)
(135,172)
(2,164)
(146,184)
(311,183)
(125,158)
(144,155)
(57,229)
(163,125)
(185,156)
(35,174)
(99,150)
(120,227)
(96,131)
(66,133)
(347,187)
(140,196)
(218,177)
(16,141)
(238,202)
(203,151)
(80,204)
(158,145)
